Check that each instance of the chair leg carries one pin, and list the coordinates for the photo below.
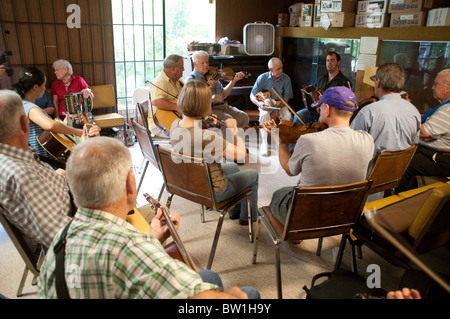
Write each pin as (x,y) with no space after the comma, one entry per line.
(22,282)
(255,249)
(216,240)
(250,222)
(278,270)
(169,201)
(202,216)
(340,253)
(142,176)
(161,192)
(319,246)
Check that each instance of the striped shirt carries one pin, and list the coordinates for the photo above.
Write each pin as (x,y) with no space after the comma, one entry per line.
(438,127)
(35,129)
(106,257)
(32,196)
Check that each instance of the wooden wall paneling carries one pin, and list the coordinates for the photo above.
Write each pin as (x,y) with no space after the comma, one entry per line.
(75,45)
(33,8)
(47,11)
(25,43)
(6,10)
(20,11)
(38,42)
(11,41)
(62,42)
(59,10)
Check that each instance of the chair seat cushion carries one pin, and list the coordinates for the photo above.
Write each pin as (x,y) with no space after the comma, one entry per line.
(399,216)
(109,120)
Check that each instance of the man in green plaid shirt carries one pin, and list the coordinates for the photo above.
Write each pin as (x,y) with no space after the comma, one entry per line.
(106,257)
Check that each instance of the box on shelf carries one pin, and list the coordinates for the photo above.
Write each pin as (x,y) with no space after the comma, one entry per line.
(408,19)
(306,15)
(283,19)
(397,6)
(372,6)
(340,19)
(372,20)
(316,17)
(438,17)
(327,6)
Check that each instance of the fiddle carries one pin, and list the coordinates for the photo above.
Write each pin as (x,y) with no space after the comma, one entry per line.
(310,94)
(363,103)
(266,97)
(227,74)
(289,132)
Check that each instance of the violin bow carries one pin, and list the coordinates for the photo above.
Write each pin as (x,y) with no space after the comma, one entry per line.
(288,106)
(175,97)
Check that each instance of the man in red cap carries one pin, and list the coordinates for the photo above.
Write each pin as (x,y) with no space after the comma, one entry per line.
(335,156)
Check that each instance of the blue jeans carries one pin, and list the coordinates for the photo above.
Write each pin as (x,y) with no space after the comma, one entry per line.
(212,277)
(307,116)
(237,181)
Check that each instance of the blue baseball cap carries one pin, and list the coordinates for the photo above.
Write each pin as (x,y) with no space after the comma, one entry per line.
(336,97)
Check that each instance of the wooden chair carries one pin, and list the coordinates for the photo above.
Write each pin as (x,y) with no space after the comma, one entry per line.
(31,252)
(314,212)
(148,151)
(104,97)
(420,217)
(190,178)
(388,169)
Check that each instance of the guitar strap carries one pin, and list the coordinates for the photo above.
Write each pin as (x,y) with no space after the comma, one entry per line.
(60,279)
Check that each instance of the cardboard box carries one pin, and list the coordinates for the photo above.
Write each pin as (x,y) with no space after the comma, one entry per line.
(316,17)
(283,19)
(293,19)
(306,15)
(372,6)
(340,19)
(397,6)
(438,17)
(408,19)
(327,6)
(372,20)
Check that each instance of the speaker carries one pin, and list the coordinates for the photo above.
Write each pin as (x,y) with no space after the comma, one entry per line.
(259,38)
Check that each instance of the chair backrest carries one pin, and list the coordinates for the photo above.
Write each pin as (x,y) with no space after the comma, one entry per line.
(431,225)
(146,143)
(389,168)
(187,177)
(324,211)
(143,109)
(24,245)
(104,96)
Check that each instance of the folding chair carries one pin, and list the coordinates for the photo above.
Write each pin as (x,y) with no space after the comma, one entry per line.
(190,178)
(314,212)
(31,252)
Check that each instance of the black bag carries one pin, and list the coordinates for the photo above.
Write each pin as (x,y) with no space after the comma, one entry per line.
(342,284)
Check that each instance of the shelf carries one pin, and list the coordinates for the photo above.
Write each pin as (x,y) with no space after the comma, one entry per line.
(441,34)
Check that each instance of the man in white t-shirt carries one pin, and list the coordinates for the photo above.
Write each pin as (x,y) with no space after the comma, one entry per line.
(335,156)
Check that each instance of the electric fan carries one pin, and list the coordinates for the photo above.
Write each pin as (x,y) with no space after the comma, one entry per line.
(259,38)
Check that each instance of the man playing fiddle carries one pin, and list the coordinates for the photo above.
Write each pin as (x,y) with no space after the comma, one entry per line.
(274,78)
(333,77)
(164,92)
(220,106)
(335,156)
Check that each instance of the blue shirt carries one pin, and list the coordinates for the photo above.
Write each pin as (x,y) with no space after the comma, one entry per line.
(35,129)
(265,82)
(216,90)
(393,122)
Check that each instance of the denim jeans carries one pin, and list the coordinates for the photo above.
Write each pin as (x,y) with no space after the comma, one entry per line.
(237,181)
(307,116)
(212,277)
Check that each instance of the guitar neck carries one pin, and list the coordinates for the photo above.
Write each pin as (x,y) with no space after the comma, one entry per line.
(173,232)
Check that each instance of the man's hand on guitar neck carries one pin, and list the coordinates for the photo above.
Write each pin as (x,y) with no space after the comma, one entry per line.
(93,131)
(159,228)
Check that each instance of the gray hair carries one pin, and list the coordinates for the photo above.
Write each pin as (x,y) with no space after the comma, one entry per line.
(97,171)
(392,77)
(272,61)
(11,110)
(171,60)
(446,72)
(63,64)
(198,54)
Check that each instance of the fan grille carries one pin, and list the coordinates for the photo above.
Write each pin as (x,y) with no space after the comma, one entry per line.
(259,38)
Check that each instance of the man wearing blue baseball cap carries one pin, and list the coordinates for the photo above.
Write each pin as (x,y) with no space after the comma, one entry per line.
(335,156)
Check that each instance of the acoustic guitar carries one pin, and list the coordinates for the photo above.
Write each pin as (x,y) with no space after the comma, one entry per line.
(165,117)
(175,249)
(57,145)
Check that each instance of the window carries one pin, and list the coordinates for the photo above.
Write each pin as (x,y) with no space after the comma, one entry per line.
(145,31)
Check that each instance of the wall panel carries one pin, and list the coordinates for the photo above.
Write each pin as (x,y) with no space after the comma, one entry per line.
(36,33)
